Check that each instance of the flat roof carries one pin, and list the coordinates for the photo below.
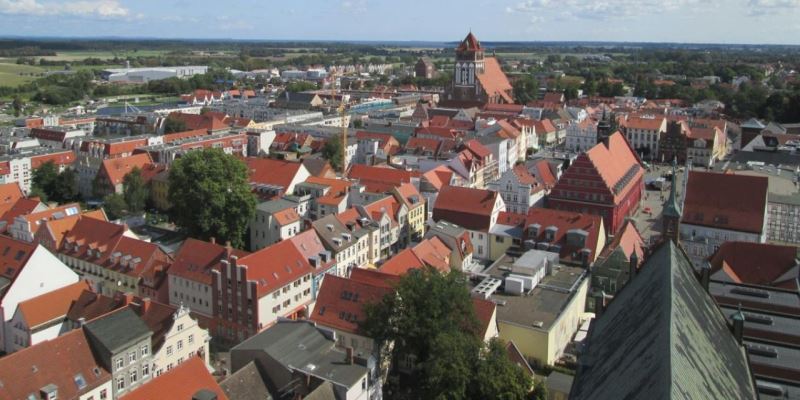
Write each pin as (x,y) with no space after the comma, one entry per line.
(544,304)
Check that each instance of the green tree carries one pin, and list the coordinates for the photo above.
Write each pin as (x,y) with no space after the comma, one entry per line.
(300,86)
(65,188)
(17,106)
(332,151)
(114,206)
(211,196)
(431,318)
(135,191)
(172,125)
(44,180)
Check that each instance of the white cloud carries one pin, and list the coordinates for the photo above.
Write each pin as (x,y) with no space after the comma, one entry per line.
(605,9)
(83,8)
(764,7)
(357,6)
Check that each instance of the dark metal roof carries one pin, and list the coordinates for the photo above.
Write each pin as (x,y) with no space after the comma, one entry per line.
(118,330)
(663,337)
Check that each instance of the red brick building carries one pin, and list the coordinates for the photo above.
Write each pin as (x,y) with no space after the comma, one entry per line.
(607,180)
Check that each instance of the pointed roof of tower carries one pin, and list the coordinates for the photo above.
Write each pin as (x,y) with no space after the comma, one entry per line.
(672,208)
(470,43)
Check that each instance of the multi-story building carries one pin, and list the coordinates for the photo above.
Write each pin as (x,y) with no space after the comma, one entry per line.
(581,136)
(106,255)
(251,293)
(122,343)
(309,244)
(274,221)
(328,195)
(474,209)
(519,189)
(644,133)
(28,271)
(719,208)
(230,143)
(190,274)
(783,218)
(352,239)
(19,167)
(607,180)
(270,178)
(412,200)
(183,340)
(475,165)
(477,79)
(112,172)
(26,226)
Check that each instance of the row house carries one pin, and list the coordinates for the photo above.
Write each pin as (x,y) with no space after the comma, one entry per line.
(379,179)
(476,210)
(25,226)
(577,238)
(644,133)
(607,180)
(56,138)
(328,195)
(29,270)
(251,293)
(230,143)
(707,141)
(546,133)
(457,239)
(475,165)
(202,97)
(274,221)
(353,240)
(519,189)
(375,147)
(111,175)
(18,168)
(502,150)
(113,260)
(190,277)
(719,208)
(103,148)
(582,136)
(416,215)
(322,261)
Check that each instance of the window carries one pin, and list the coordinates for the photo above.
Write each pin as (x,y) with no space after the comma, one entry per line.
(120,363)
(131,357)
(169,350)
(121,383)
(103,394)
(133,376)
(180,327)
(191,339)
(180,344)
(145,370)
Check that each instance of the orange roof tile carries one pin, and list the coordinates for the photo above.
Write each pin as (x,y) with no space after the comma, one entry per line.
(272,172)
(115,169)
(726,201)
(274,266)
(52,305)
(53,362)
(340,302)
(401,263)
(758,264)
(466,207)
(196,259)
(494,80)
(182,382)
(565,221)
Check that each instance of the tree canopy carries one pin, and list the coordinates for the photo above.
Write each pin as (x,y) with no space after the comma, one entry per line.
(134,191)
(431,318)
(332,151)
(50,185)
(211,196)
(172,125)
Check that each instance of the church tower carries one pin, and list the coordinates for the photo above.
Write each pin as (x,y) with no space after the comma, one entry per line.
(670,222)
(469,64)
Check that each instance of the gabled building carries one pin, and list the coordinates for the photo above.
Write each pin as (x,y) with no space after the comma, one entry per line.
(322,262)
(28,271)
(352,239)
(328,195)
(64,368)
(519,189)
(274,221)
(607,180)
(190,380)
(474,209)
(190,274)
(270,178)
(649,341)
(477,79)
(719,208)
(756,264)
(457,240)
(613,268)
(112,172)
(251,293)
(644,133)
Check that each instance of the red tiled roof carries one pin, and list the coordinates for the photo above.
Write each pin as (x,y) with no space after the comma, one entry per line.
(544,126)
(275,266)
(565,221)
(115,169)
(53,362)
(401,263)
(22,206)
(379,179)
(419,145)
(757,264)
(59,159)
(182,382)
(338,189)
(272,172)
(386,142)
(484,310)
(55,213)
(470,43)
(14,255)
(9,194)
(309,245)
(466,207)
(477,149)
(51,305)
(612,163)
(439,177)
(286,216)
(644,123)
(438,132)
(511,219)
(629,240)
(726,201)
(494,80)
(208,121)
(173,137)
(508,108)
(340,302)
(544,173)
(196,259)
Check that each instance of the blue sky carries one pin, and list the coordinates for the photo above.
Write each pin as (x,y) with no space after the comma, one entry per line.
(707,21)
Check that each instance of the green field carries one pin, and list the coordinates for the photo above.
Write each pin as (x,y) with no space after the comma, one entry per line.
(103,55)
(14,74)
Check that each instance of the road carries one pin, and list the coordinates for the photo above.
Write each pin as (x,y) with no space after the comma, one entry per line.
(649,224)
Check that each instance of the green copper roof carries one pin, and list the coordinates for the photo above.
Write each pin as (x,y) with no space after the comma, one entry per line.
(663,337)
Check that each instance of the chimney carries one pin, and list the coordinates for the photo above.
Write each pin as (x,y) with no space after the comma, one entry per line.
(600,304)
(633,265)
(82,321)
(145,304)
(213,240)
(705,276)
(738,325)
(228,248)
(349,359)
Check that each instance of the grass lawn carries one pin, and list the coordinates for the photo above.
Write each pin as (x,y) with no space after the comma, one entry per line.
(103,55)
(12,74)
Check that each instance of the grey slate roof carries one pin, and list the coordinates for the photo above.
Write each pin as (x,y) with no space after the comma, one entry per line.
(246,384)
(663,337)
(117,330)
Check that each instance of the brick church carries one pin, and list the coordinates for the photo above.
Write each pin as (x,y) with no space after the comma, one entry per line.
(477,79)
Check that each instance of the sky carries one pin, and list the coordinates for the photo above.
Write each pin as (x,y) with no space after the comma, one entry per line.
(686,21)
